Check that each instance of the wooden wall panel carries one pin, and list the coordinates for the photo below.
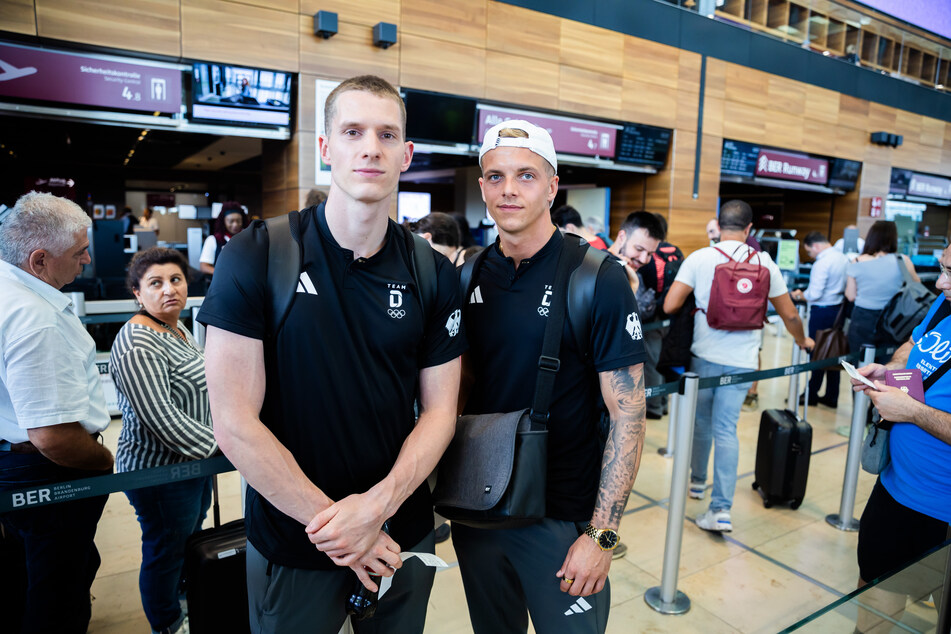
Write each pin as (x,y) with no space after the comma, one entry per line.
(713,108)
(932,132)
(306,103)
(458,21)
(591,48)
(350,52)
(744,122)
(150,26)
(689,76)
(715,84)
(687,106)
(521,80)
(844,213)
(590,93)
(518,31)
(745,85)
(441,66)
(625,198)
(651,63)
(784,130)
(221,31)
(822,104)
(820,137)
(288,6)
(853,113)
(786,96)
(657,194)
(650,104)
(880,117)
(850,143)
(365,12)
(18,16)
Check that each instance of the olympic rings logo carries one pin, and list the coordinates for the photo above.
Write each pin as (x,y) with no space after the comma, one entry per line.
(543,311)
(396,313)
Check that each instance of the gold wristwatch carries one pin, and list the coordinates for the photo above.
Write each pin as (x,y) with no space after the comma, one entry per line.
(605,538)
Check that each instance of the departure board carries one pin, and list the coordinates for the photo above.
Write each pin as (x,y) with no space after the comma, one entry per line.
(643,144)
(739,158)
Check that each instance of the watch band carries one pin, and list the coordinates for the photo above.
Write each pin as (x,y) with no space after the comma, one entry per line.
(596,533)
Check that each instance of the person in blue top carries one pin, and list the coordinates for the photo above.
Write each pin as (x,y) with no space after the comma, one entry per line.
(909,509)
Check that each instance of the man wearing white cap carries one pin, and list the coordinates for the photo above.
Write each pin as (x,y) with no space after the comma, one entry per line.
(555,569)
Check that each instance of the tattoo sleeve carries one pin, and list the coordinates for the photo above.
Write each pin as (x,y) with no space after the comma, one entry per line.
(623,392)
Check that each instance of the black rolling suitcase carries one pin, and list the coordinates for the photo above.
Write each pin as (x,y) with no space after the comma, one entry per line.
(215,577)
(782,458)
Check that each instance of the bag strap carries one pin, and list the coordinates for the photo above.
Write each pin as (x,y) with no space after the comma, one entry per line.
(943,311)
(422,268)
(581,286)
(548,362)
(906,277)
(283,265)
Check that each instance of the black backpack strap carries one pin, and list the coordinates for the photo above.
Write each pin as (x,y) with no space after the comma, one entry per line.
(569,258)
(581,286)
(943,311)
(284,261)
(423,269)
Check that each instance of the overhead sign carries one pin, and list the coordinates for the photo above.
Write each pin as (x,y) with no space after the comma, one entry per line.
(929,186)
(792,167)
(570,136)
(47,75)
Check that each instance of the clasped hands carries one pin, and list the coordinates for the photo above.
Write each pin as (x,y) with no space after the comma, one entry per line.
(349,532)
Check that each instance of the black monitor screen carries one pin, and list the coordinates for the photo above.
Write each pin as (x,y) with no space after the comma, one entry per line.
(899,181)
(643,144)
(739,158)
(843,174)
(436,118)
(241,95)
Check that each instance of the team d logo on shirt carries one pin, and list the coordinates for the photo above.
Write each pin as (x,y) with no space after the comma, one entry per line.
(744,285)
(396,302)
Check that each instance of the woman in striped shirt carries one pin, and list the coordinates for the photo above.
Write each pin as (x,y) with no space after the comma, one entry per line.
(159,372)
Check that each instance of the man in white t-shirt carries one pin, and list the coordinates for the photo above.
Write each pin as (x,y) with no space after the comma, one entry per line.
(51,410)
(719,352)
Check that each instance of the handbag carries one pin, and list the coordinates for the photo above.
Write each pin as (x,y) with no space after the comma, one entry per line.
(875,454)
(831,342)
(494,472)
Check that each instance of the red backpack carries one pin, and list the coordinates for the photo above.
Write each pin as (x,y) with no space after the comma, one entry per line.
(738,294)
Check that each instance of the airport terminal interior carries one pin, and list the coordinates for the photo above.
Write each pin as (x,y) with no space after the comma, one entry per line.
(823,115)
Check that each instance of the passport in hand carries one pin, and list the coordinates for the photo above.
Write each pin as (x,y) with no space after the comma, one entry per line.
(908,381)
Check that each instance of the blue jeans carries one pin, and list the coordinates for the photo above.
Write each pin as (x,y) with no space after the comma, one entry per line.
(61,556)
(168,514)
(718,411)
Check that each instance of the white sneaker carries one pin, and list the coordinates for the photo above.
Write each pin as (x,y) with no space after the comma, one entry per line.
(717,521)
(697,490)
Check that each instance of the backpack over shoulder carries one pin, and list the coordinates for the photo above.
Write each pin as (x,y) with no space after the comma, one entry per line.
(738,294)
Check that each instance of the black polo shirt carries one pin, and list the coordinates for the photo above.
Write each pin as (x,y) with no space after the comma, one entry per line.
(505,317)
(342,373)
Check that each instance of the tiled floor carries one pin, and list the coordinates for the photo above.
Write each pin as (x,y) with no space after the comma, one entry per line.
(776,567)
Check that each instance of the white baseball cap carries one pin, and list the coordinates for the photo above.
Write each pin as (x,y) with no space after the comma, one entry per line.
(538,140)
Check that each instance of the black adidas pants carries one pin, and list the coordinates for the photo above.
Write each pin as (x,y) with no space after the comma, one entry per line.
(509,574)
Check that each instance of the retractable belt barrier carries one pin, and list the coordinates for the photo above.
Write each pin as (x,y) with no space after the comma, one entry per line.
(69,490)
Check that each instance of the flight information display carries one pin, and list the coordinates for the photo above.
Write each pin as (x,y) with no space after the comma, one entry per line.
(739,158)
(643,144)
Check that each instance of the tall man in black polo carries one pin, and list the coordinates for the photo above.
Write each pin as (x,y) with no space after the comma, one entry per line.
(555,569)
(319,415)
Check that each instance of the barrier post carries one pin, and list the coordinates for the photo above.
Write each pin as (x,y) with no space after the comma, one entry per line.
(666,598)
(792,399)
(198,330)
(843,520)
(668,451)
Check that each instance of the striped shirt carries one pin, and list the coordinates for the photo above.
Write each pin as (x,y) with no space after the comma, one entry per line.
(160,381)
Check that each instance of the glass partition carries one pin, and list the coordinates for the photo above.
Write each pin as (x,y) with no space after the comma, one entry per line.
(909,600)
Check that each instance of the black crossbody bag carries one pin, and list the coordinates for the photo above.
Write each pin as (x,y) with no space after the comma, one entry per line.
(494,473)
(875,453)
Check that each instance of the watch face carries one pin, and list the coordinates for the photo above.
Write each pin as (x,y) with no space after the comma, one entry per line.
(608,539)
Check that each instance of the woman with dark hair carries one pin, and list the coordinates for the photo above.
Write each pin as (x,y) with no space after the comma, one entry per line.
(442,231)
(228,224)
(159,372)
(873,279)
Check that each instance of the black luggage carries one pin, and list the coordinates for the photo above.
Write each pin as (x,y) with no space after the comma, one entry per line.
(215,577)
(782,458)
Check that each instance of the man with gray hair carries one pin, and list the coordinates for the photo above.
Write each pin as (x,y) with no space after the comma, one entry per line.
(51,407)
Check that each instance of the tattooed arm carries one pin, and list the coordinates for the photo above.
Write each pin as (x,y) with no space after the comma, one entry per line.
(623,393)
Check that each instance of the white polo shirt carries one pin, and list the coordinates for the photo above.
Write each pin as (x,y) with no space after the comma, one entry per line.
(739,348)
(48,373)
